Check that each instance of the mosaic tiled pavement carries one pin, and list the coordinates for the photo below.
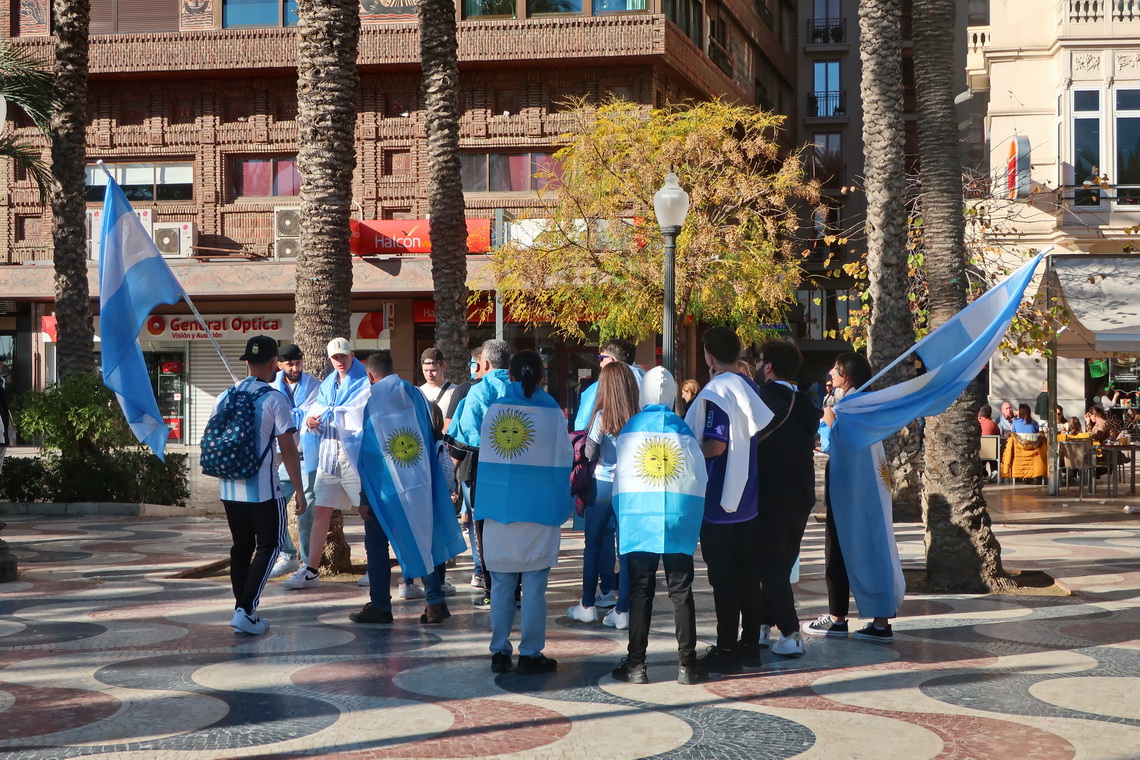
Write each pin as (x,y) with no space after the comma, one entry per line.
(105,652)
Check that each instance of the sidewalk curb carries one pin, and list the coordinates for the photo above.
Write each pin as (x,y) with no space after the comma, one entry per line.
(103,508)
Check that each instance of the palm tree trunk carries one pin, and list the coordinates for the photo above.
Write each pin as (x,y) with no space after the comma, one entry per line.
(891,329)
(445,189)
(962,553)
(75,348)
(328,40)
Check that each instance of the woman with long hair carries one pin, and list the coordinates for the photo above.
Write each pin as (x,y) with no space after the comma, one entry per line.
(619,397)
(851,372)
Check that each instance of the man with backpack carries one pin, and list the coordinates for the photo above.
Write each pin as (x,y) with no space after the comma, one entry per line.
(236,446)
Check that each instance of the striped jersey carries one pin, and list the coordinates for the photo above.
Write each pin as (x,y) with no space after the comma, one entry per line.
(273,416)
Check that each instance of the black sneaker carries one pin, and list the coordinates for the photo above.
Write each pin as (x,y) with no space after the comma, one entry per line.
(825,626)
(870,633)
(501,663)
(720,660)
(483,603)
(537,664)
(749,655)
(630,674)
(369,614)
(689,675)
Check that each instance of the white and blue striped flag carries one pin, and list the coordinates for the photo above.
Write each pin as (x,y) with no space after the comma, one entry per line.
(524,460)
(133,279)
(402,476)
(659,484)
(859,487)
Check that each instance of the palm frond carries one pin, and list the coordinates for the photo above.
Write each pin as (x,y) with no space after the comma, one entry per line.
(27,156)
(26,81)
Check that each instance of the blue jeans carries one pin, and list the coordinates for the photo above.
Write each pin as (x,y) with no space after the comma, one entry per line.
(376,548)
(304,521)
(600,533)
(533,624)
(469,510)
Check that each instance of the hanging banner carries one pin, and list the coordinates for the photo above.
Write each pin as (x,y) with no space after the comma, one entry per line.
(396,237)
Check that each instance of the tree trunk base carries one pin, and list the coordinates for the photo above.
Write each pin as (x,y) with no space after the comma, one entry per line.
(337,557)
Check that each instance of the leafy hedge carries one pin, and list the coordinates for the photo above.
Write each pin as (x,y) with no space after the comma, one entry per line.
(87,451)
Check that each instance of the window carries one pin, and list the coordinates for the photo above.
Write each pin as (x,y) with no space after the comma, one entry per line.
(1128,147)
(1086,147)
(123,16)
(508,172)
(826,22)
(827,158)
(689,16)
(825,311)
(618,6)
(827,97)
(476,8)
(263,177)
(239,13)
(143,181)
(551,7)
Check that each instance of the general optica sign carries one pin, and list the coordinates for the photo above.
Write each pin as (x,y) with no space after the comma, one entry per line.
(392,237)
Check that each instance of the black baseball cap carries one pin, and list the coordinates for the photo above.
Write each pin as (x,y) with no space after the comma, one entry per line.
(291,353)
(259,348)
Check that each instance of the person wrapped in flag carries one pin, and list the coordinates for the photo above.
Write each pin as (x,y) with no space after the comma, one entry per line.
(522,494)
(659,497)
(405,500)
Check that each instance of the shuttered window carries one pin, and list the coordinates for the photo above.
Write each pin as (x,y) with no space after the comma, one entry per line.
(125,16)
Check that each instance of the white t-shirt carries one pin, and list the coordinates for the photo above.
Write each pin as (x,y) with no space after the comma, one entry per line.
(441,396)
(274,417)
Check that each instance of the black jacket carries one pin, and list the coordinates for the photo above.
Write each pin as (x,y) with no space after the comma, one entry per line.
(786,462)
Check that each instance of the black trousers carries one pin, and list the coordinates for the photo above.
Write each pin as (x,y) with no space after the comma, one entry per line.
(729,551)
(835,572)
(256,531)
(642,569)
(777,546)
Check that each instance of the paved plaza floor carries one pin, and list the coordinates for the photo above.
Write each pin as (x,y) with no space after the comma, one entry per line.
(105,652)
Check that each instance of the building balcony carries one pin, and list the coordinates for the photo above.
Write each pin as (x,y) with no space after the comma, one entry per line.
(1098,18)
(979,40)
(827,104)
(826,31)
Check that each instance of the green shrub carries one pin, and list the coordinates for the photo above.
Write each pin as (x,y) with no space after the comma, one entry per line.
(89,452)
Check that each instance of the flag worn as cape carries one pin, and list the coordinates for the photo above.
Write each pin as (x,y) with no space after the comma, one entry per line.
(659,484)
(302,400)
(133,279)
(352,392)
(401,475)
(953,355)
(524,462)
(589,400)
(747,416)
(467,423)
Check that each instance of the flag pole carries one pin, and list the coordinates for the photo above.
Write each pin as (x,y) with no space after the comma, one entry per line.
(189,303)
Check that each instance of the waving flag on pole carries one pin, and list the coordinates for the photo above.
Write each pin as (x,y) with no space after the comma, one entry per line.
(402,476)
(953,355)
(659,484)
(524,460)
(133,279)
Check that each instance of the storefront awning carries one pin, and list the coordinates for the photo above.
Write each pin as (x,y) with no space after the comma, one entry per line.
(1103,295)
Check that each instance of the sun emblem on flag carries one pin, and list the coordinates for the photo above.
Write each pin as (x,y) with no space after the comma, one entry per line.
(404,446)
(512,433)
(884,470)
(658,461)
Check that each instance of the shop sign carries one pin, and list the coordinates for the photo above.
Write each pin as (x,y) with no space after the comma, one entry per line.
(223,327)
(396,237)
(1018,168)
(480,312)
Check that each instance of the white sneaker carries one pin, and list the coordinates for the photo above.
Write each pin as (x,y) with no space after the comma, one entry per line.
(410,591)
(303,578)
(364,580)
(615,619)
(283,566)
(765,635)
(447,589)
(583,614)
(606,600)
(789,646)
(251,624)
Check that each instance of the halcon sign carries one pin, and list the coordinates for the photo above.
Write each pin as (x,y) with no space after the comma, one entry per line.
(380,237)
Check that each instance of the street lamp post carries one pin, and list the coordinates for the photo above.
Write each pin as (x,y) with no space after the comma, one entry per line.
(671,204)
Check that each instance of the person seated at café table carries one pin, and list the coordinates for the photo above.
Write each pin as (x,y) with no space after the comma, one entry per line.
(1024,422)
(1073,427)
(1097,425)
(986,420)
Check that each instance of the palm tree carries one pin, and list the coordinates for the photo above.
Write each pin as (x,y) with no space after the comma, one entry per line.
(327,79)
(891,329)
(25,84)
(445,189)
(962,553)
(75,349)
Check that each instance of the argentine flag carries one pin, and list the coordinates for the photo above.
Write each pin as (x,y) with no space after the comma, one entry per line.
(524,460)
(133,279)
(859,488)
(659,484)
(403,478)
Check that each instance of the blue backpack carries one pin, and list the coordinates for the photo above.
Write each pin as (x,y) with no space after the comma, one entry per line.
(229,442)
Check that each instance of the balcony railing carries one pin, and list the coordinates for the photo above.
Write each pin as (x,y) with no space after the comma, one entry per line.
(827,103)
(827,30)
(1095,11)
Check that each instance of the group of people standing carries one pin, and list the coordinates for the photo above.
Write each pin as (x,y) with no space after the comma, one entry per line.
(736,474)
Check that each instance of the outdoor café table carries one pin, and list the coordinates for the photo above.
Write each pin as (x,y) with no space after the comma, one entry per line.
(1112,453)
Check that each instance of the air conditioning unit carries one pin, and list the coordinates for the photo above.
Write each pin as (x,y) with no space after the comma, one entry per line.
(175,239)
(95,228)
(286,232)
